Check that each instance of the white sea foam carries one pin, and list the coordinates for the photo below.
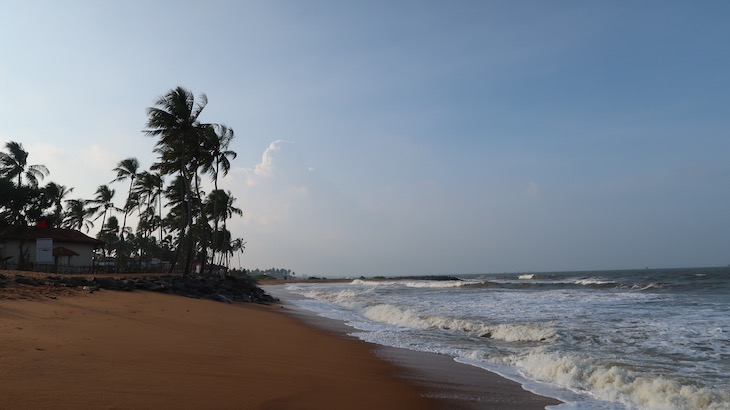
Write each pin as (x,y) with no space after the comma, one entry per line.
(594,349)
(593,281)
(409,318)
(647,287)
(418,283)
(618,384)
(347,298)
(527,276)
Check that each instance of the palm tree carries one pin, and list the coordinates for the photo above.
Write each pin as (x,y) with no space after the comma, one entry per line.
(149,188)
(238,245)
(57,193)
(77,214)
(228,210)
(174,122)
(217,143)
(109,233)
(102,203)
(127,168)
(177,215)
(14,164)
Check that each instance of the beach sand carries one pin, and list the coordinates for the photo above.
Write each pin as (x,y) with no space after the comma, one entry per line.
(137,350)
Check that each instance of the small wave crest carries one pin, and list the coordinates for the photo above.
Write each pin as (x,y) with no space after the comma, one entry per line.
(615,383)
(527,276)
(507,332)
(593,282)
(649,286)
(418,283)
(346,298)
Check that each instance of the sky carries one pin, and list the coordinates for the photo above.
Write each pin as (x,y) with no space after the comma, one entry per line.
(404,137)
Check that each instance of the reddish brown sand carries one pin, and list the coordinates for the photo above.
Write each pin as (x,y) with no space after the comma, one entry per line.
(115,350)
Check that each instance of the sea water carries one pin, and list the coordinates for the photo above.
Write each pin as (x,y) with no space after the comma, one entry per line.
(644,339)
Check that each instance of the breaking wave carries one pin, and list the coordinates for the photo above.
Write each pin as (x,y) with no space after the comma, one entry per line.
(346,298)
(418,283)
(593,282)
(618,384)
(507,332)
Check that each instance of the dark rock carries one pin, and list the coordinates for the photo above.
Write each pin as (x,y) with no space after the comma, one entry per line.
(24,280)
(227,289)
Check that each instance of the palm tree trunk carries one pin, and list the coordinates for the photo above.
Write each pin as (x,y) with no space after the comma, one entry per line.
(159,201)
(103,220)
(215,215)
(203,221)
(188,195)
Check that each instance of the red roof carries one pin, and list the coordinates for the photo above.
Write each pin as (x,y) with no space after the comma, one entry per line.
(23,233)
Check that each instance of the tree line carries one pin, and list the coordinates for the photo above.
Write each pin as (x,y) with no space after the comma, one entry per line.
(194,226)
(273,272)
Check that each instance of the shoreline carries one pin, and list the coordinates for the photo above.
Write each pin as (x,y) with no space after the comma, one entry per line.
(454,385)
(67,348)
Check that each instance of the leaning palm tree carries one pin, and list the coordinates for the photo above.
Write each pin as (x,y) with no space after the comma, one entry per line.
(228,210)
(102,203)
(238,245)
(217,143)
(57,193)
(127,168)
(218,139)
(14,164)
(149,188)
(77,215)
(174,122)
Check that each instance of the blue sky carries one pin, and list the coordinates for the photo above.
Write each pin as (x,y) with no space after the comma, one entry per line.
(405,137)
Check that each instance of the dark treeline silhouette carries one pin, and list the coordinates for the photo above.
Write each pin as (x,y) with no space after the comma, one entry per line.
(273,272)
(177,221)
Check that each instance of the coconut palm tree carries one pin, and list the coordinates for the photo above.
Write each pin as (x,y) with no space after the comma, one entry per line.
(14,164)
(237,245)
(126,169)
(77,215)
(102,203)
(110,234)
(174,122)
(57,193)
(227,212)
(149,187)
(177,205)
(218,139)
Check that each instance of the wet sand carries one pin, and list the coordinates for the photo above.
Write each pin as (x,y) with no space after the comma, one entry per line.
(453,385)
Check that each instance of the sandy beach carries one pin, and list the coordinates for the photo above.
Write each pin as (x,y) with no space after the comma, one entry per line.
(133,350)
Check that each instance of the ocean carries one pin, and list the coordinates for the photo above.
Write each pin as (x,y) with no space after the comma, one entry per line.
(640,339)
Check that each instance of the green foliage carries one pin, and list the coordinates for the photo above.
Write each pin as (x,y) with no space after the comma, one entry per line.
(273,273)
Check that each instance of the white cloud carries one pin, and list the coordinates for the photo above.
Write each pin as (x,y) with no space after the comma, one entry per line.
(265,167)
(96,158)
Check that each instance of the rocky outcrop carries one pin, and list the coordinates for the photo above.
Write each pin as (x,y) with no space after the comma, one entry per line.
(228,289)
